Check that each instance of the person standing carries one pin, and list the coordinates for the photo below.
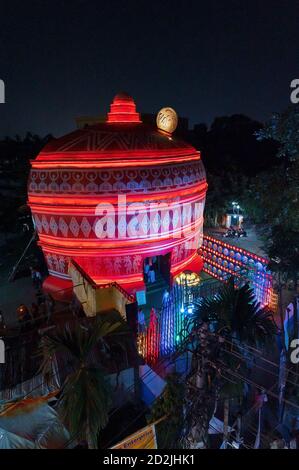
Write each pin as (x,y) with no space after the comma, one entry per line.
(153,317)
(152,275)
(33,276)
(141,321)
(146,272)
(165,298)
(38,279)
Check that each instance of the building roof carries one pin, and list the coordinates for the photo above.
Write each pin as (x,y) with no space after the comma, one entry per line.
(122,133)
(107,137)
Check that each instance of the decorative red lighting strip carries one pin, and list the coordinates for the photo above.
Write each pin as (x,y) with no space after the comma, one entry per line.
(235,249)
(98,244)
(96,160)
(229,259)
(71,203)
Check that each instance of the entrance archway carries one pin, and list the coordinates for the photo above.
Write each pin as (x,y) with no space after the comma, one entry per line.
(156,269)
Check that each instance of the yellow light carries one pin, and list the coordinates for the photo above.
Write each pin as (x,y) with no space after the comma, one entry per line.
(167,120)
(188,278)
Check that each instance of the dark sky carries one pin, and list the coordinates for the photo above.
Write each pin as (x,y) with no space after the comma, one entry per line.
(60,59)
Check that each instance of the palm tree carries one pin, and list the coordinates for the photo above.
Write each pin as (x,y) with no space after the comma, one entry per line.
(237,320)
(85,395)
(237,315)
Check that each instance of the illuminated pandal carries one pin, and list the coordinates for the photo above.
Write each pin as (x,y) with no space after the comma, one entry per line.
(121,158)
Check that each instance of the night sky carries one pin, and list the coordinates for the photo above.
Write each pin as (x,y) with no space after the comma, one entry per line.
(60,59)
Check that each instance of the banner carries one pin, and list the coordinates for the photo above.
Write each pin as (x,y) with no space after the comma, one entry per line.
(143,439)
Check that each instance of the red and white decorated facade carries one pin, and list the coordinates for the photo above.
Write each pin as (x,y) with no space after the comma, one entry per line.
(111,195)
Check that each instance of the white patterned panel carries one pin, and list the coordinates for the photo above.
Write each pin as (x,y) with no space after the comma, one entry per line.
(53,226)
(74,227)
(155,222)
(63,227)
(38,223)
(85,227)
(45,224)
(145,225)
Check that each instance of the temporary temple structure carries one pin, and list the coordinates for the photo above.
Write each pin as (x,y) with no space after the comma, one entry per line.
(110,196)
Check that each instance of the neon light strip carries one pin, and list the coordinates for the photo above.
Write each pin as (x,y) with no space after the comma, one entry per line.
(235,249)
(222,268)
(125,280)
(231,260)
(37,202)
(110,164)
(69,252)
(89,200)
(94,155)
(109,244)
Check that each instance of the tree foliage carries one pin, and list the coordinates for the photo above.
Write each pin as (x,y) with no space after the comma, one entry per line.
(272,198)
(85,393)
(170,405)
(238,316)
(284,129)
(223,325)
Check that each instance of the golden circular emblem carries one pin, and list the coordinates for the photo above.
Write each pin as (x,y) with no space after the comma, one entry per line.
(167,120)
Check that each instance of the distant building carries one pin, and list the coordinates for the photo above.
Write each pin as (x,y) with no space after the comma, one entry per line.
(232,220)
(83,121)
(147,118)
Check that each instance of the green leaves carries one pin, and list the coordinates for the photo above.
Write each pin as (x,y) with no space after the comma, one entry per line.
(237,313)
(169,404)
(284,129)
(272,198)
(85,394)
(84,403)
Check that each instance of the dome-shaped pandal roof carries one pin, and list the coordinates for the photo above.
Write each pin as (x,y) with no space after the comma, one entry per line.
(122,137)
(75,175)
(103,138)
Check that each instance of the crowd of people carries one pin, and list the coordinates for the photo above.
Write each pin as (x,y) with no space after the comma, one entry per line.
(38,314)
(235,232)
(150,269)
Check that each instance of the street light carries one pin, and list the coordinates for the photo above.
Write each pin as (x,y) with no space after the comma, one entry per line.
(234,204)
